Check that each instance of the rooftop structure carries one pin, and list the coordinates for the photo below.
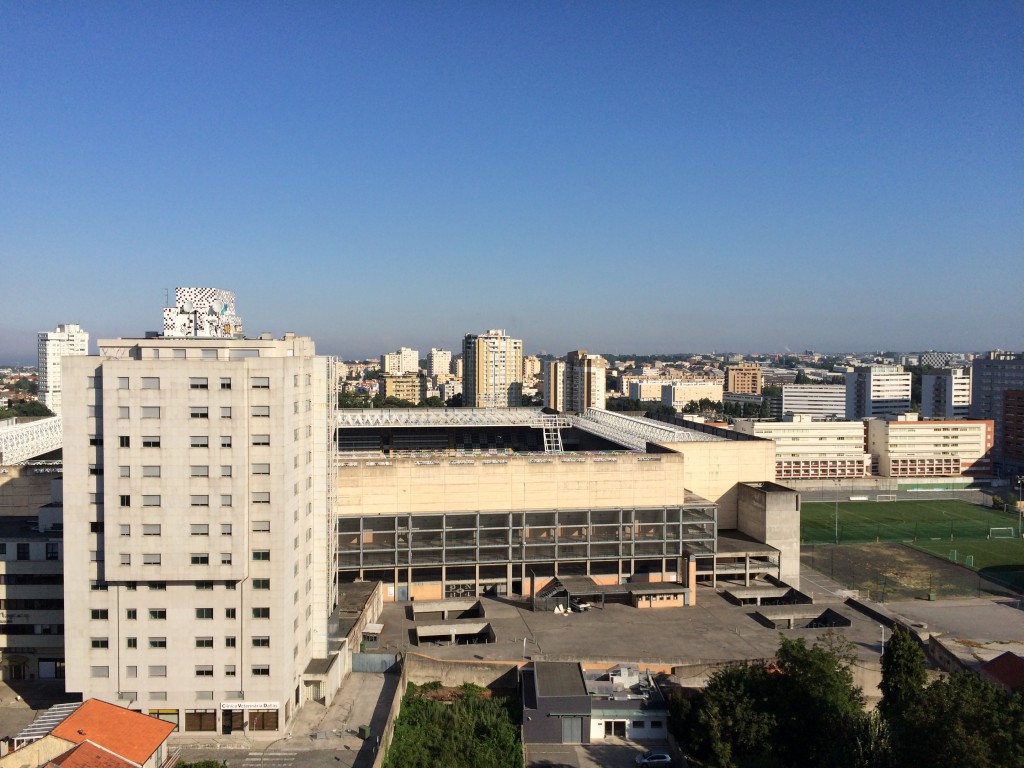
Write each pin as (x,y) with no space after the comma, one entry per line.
(202,313)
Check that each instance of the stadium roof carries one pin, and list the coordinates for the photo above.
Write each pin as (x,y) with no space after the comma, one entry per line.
(636,433)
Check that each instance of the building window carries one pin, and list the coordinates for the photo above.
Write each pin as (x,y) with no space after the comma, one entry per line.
(158,613)
(261,670)
(198,382)
(199,529)
(24,553)
(126,558)
(95,469)
(99,671)
(151,411)
(199,558)
(261,440)
(122,382)
(95,440)
(225,558)
(261,469)
(131,614)
(158,642)
(261,554)
(151,441)
(204,642)
(199,470)
(230,642)
(151,529)
(204,613)
(225,441)
(225,470)
(229,613)
(225,528)
(131,642)
(99,614)
(150,382)
(157,670)
(229,670)
(51,551)
(206,586)
(151,500)
(261,497)
(132,671)
(260,411)
(199,441)
(261,613)
(159,586)
(124,441)
(225,383)
(125,500)
(100,642)
(260,382)
(261,583)
(199,412)
(152,558)
(199,500)
(124,471)
(259,642)
(225,412)
(204,670)
(151,471)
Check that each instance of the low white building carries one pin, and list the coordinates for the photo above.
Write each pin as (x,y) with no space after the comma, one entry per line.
(820,401)
(904,446)
(806,449)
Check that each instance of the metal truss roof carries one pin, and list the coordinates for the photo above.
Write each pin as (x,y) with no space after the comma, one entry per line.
(23,441)
(635,433)
(449,417)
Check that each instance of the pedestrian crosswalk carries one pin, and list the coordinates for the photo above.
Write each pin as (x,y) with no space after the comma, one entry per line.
(269,759)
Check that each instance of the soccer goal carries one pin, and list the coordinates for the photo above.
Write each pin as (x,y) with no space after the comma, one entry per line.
(885,497)
(1002,533)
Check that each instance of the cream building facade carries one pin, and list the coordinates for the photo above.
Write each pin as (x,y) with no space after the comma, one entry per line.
(66,340)
(821,401)
(405,360)
(744,378)
(809,449)
(197,491)
(439,362)
(946,394)
(877,391)
(493,365)
(679,394)
(904,446)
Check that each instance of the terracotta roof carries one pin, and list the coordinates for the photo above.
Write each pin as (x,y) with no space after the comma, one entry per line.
(88,755)
(1006,670)
(131,735)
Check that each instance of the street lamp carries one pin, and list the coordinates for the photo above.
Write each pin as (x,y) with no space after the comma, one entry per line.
(837,510)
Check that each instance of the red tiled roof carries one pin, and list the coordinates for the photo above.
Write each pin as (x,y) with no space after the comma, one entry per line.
(131,735)
(1006,669)
(88,755)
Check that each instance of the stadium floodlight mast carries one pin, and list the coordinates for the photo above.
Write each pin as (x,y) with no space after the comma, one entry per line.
(1020,506)
(837,509)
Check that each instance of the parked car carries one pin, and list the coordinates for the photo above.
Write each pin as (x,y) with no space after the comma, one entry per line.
(653,758)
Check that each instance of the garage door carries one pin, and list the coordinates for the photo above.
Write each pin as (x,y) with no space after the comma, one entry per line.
(572,730)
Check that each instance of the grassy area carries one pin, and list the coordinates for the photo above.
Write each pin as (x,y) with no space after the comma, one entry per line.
(1001,560)
(899,521)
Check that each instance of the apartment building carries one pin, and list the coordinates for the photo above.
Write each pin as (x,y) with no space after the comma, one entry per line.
(874,391)
(493,370)
(197,492)
(744,378)
(439,362)
(66,340)
(806,449)
(997,391)
(905,446)
(820,401)
(576,383)
(411,387)
(405,360)
(946,394)
(680,394)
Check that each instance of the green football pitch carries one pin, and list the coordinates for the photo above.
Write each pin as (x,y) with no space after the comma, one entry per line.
(921,522)
(1001,560)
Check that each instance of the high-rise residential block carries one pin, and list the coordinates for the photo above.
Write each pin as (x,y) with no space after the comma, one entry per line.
(946,394)
(745,378)
(876,391)
(997,392)
(405,360)
(439,362)
(68,339)
(197,494)
(576,383)
(493,376)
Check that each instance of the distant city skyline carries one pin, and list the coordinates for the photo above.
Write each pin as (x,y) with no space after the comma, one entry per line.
(617,178)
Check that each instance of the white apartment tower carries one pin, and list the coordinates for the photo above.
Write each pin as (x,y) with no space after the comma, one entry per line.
(946,394)
(68,339)
(197,493)
(493,370)
(876,391)
(439,362)
(821,401)
(405,360)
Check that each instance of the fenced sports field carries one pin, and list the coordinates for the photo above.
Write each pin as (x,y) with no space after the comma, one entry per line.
(862,522)
(920,548)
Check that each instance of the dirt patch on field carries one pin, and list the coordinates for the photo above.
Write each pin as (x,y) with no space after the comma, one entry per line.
(887,572)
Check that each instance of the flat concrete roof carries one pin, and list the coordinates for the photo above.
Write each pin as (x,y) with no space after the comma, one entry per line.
(732,542)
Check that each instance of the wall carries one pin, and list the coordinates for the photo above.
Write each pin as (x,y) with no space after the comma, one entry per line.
(771,514)
(23,488)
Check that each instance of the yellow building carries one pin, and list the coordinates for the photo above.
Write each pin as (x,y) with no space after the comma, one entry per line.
(744,378)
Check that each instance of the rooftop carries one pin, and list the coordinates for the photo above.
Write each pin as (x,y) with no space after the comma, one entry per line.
(128,734)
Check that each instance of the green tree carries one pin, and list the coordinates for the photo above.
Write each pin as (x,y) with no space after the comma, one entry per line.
(433,402)
(736,717)
(25,408)
(903,674)
(352,399)
(965,722)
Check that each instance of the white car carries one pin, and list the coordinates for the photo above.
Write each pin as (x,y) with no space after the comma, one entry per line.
(653,758)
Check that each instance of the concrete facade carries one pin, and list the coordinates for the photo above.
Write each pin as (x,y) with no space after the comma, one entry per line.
(821,401)
(493,376)
(946,394)
(904,446)
(680,394)
(196,488)
(66,340)
(770,513)
(744,378)
(806,449)
(997,391)
(877,391)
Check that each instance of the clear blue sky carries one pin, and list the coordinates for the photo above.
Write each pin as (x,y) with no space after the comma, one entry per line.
(620,177)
